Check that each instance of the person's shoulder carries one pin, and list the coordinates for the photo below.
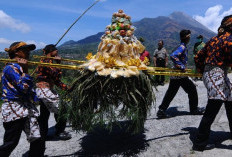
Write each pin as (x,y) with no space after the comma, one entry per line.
(164,49)
(227,39)
(155,52)
(203,44)
(8,68)
(227,36)
(11,66)
(181,47)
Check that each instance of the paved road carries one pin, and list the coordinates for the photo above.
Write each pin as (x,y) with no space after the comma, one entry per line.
(167,137)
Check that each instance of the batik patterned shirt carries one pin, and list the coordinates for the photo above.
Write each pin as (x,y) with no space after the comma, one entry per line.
(217,52)
(51,75)
(18,93)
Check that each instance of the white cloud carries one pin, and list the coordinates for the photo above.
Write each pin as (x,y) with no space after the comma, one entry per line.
(8,22)
(212,18)
(5,41)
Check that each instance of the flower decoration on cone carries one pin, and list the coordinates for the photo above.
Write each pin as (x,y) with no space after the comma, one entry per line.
(119,46)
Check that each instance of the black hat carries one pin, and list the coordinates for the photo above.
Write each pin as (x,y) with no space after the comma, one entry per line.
(184,33)
(49,48)
(14,47)
(199,37)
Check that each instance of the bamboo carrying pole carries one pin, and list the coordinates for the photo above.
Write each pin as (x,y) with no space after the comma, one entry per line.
(166,69)
(150,70)
(61,66)
(62,59)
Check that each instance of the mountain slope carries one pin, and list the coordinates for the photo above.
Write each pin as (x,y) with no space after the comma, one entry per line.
(182,18)
(152,30)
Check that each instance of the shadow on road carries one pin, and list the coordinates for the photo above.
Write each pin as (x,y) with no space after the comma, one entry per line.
(118,141)
(216,137)
(51,134)
(173,112)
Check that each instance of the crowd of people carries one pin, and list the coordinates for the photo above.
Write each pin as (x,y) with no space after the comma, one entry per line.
(160,56)
(212,59)
(20,97)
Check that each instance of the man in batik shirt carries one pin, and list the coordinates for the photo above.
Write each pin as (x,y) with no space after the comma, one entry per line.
(18,109)
(46,79)
(180,58)
(213,61)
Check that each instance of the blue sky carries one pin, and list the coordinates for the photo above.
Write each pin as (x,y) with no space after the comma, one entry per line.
(44,21)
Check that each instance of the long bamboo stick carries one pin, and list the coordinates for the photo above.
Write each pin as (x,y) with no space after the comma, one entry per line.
(62,59)
(76,67)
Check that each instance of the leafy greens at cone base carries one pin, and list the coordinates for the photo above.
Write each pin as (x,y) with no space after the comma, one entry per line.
(101,101)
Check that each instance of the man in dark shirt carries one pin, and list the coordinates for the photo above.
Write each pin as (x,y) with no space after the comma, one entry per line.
(46,79)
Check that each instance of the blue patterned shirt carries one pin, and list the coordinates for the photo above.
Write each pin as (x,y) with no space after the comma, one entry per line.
(16,85)
(180,57)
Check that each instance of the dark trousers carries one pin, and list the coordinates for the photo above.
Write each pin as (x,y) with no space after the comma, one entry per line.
(160,63)
(208,118)
(197,78)
(43,121)
(174,86)
(12,136)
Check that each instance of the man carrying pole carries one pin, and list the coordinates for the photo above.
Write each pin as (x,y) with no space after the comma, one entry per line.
(46,79)
(180,58)
(19,112)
